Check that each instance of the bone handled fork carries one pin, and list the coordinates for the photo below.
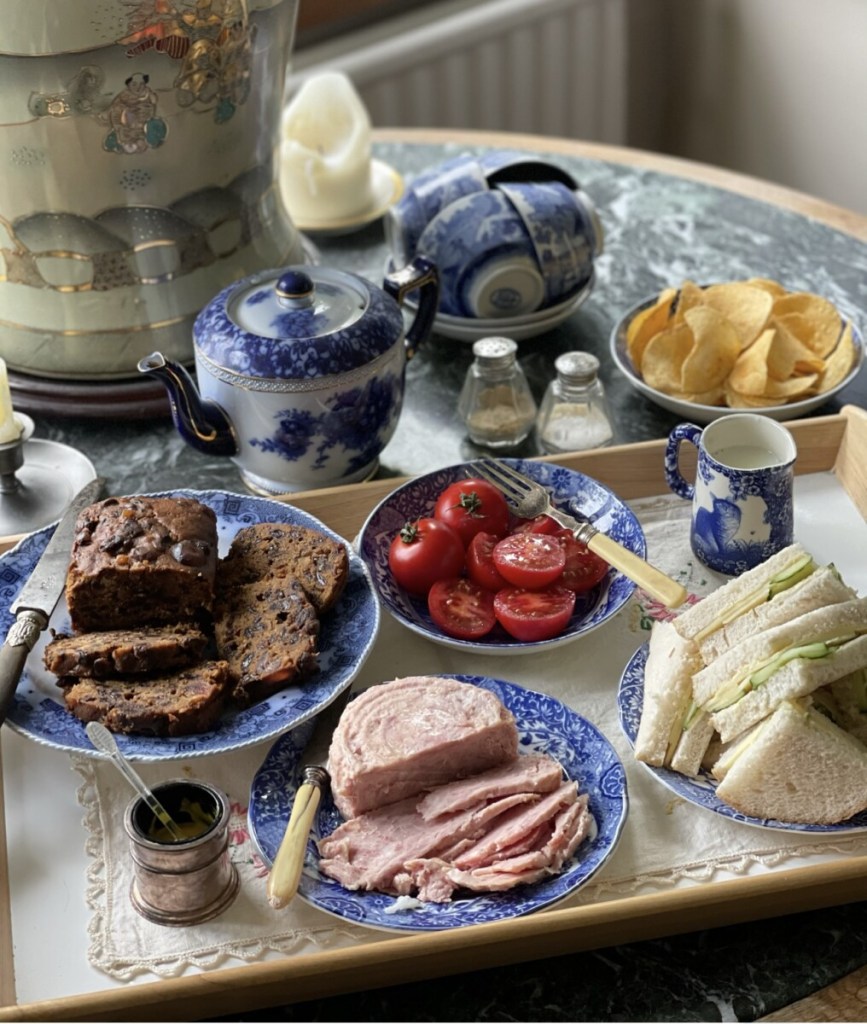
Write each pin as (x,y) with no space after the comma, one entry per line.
(529,499)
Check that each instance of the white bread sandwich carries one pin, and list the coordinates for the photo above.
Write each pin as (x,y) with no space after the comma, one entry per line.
(786,585)
(751,679)
(845,702)
(672,732)
(795,766)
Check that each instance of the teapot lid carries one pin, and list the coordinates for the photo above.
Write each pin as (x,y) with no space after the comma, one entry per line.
(298,322)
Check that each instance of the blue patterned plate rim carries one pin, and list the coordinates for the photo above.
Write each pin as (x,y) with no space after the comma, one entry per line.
(348,634)
(791,410)
(417,497)
(545,725)
(701,790)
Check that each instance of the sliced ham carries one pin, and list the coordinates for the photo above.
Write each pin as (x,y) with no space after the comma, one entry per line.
(435,879)
(367,852)
(512,828)
(532,773)
(410,735)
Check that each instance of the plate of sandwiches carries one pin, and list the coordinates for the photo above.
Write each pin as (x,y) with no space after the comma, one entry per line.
(493,802)
(193,623)
(752,702)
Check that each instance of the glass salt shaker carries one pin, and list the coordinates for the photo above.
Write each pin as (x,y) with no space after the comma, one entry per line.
(574,413)
(496,403)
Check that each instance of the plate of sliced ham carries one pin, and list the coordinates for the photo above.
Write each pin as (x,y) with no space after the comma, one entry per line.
(499,843)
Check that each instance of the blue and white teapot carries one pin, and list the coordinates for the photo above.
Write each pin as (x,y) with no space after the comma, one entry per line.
(301,373)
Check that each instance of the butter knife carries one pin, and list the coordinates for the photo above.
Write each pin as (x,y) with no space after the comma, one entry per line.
(285,873)
(39,595)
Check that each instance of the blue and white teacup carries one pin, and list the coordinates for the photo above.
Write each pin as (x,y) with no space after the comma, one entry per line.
(485,257)
(742,499)
(565,230)
(423,199)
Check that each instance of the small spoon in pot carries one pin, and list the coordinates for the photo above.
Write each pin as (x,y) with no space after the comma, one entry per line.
(104,741)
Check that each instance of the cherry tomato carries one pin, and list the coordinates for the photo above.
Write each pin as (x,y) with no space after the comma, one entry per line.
(530,615)
(541,524)
(461,608)
(531,560)
(423,552)
(473,506)
(480,562)
(584,569)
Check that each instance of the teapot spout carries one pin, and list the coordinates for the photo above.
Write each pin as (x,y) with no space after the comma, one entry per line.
(202,424)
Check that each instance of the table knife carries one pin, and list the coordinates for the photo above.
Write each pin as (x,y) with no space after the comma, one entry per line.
(289,861)
(33,606)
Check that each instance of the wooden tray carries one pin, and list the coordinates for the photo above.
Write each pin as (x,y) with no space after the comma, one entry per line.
(837,443)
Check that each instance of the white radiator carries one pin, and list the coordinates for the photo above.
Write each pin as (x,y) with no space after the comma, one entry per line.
(553,67)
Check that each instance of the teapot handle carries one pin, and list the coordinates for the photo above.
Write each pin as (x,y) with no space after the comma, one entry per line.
(420,275)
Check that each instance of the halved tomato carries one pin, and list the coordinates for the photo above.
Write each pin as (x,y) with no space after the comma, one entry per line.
(584,569)
(541,524)
(480,562)
(531,560)
(531,615)
(461,608)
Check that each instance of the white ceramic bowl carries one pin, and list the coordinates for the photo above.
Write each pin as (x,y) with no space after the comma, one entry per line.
(571,491)
(704,414)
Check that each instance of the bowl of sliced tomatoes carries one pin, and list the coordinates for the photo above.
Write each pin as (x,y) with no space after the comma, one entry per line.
(450,560)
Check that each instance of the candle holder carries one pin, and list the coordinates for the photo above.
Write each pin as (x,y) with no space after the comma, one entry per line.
(37,480)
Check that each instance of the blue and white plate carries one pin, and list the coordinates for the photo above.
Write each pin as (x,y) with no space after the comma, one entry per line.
(347,635)
(701,790)
(571,491)
(544,726)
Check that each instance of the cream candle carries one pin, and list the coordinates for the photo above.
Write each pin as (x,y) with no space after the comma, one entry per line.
(325,163)
(10,429)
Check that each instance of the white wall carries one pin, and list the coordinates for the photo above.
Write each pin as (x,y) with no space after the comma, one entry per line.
(773,88)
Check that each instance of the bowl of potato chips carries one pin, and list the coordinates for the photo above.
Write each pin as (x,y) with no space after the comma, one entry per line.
(703,351)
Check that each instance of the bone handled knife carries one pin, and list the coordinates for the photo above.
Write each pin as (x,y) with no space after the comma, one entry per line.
(35,603)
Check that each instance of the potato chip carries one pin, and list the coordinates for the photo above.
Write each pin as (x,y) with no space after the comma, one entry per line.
(840,361)
(716,396)
(747,308)
(794,387)
(688,295)
(663,357)
(750,373)
(735,400)
(791,357)
(767,285)
(811,318)
(645,324)
(714,352)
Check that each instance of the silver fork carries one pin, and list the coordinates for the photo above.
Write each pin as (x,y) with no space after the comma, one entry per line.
(529,499)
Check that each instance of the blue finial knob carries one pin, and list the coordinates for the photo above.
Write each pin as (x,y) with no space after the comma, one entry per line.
(294,288)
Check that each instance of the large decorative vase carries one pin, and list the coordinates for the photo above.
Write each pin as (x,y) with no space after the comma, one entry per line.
(139,140)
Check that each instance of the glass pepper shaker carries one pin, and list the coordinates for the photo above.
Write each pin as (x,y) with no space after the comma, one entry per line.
(574,413)
(496,403)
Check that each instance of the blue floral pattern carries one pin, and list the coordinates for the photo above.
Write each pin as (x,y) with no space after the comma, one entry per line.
(700,790)
(571,491)
(545,725)
(304,353)
(356,420)
(751,513)
(348,634)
